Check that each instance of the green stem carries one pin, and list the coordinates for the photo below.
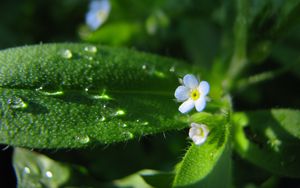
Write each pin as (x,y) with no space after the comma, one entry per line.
(239,58)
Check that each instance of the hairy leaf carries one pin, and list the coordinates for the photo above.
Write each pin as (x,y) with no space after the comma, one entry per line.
(75,95)
(201,163)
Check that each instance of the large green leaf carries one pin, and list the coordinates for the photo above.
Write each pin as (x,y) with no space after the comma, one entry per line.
(270,139)
(207,165)
(75,95)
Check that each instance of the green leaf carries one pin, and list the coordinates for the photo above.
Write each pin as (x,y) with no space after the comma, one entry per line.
(201,163)
(35,170)
(269,139)
(76,95)
(158,179)
(145,178)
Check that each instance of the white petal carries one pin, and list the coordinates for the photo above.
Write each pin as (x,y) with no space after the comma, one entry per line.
(200,103)
(190,81)
(204,87)
(198,133)
(198,140)
(193,131)
(182,93)
(186,106)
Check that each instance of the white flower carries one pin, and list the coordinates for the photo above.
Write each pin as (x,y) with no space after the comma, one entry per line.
(98,13)
(198,133)
(192,93)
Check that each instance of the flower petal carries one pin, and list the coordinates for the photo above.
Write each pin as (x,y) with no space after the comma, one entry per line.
(186,106)
(200,103)
(198,133)
(204,87)
(198,140)
(193,131)
(190,81)
(182,93)
(97,14)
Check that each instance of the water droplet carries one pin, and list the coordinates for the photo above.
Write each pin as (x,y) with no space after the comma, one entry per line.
(142,122)
(49,174)
(144,67)
(86,89)
(67,54)
(124,125)
(16,102)
(26,170)
(104,106)
(91,49)
(128,135)
(159,74)
(102,96)
(39,89)
(120,112)
(102,118)
(145,123)
(83,139)
(54,93)
(172,69)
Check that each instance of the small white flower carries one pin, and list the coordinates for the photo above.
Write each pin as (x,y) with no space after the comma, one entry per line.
(98,13)
(192,93)
(198,133)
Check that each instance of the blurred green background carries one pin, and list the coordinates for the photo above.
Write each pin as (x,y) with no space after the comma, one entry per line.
(199,32)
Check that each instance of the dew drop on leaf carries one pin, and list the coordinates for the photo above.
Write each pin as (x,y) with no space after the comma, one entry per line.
(144,67)
(159,74)
(142,122)
(128,135)
(172,69)
(119,113)
(124,125)
(83,139)
(102,118)
(67,54)
(145,123)
(91,49)
(16,103)
(54,93)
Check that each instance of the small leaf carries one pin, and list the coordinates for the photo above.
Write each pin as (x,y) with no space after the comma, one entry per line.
(145,178)
(200,161)
(35,170)
(269,139)
(76,95)
(158,179)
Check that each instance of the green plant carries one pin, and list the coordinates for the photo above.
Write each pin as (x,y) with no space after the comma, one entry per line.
(65,99)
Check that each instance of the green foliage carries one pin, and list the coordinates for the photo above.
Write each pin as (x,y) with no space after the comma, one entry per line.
(82,103)
(35,170)
(75,95)
(268,139)
(199,161)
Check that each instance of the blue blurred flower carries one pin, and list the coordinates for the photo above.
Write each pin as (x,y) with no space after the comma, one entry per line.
(98,13)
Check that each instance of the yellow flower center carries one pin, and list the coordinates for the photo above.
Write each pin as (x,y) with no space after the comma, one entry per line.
(195,94)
